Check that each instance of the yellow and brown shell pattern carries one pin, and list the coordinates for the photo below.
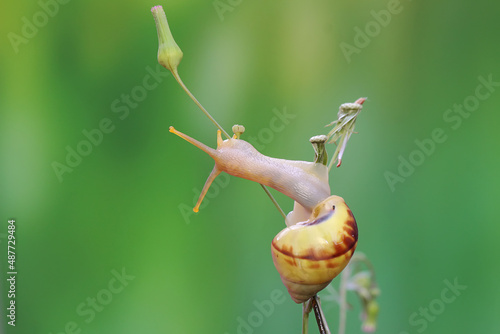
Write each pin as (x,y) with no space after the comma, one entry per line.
(308,255)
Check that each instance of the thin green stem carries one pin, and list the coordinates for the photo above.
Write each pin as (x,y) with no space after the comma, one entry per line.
(343,299)
(273,200)
(330,165)
(306,309)
(179,80)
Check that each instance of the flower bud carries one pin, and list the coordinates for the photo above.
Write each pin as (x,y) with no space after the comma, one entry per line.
(169,54)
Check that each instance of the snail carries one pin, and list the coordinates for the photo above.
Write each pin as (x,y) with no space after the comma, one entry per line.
(322,233)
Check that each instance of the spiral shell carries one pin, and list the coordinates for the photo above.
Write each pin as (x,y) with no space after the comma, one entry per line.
(309,254)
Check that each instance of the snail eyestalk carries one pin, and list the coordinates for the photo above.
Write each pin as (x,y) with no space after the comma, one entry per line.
(170,56)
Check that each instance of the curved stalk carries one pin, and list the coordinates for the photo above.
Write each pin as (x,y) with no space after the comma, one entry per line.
(188,92)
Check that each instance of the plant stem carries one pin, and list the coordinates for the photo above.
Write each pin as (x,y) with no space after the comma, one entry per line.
(179,80)
(273,200)
(306,309)
(320,317)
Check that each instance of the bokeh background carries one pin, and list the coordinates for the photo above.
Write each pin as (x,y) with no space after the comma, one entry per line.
(125,206)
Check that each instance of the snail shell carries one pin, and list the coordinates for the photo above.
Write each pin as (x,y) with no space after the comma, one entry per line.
(309,254)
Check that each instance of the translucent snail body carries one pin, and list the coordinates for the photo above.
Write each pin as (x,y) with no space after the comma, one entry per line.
(304,182)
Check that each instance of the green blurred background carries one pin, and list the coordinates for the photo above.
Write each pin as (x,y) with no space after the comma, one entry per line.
(120,206)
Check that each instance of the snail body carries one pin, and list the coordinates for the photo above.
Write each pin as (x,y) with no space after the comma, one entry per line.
(304,182)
